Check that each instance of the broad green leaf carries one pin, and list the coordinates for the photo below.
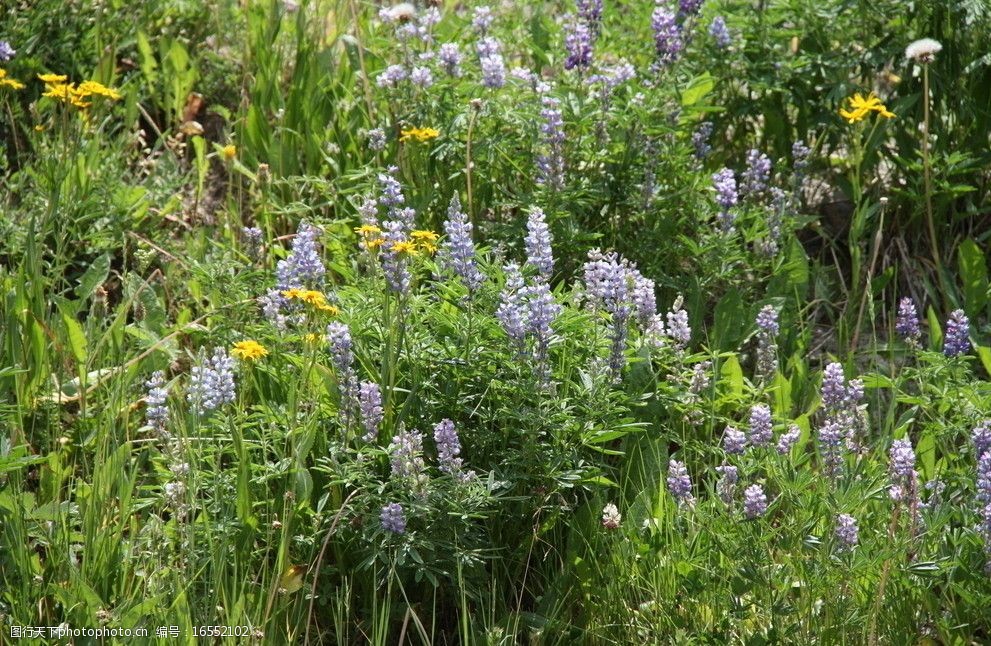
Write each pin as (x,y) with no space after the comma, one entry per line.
(974,275)
(77,339)
(732,375)
(697,88)
(729,321)
(926,450)
(94,276)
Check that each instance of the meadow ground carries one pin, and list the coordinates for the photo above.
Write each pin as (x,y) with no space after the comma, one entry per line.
(336,321)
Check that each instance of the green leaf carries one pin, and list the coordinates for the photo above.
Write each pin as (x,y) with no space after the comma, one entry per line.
(984,353)
(697,88)
(732,375)
(935,330)
(729,321)
(926,450)
(94,276)
(77,339)
(974,274)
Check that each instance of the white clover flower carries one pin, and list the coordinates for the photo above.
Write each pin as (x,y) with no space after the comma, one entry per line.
(611,516)
(923,50)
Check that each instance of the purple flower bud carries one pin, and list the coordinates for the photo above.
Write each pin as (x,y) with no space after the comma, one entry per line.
(458,250)
(679,484)
(789,439)
(550,160)
(907,324)
(482,19)
(726,486)
(720,32)
(393,518)
(370,405)
(957,339)
(448,447)
(700,140)
(392,76)
(156,409)
(421,77)
(761,429)
(754,501)
(450,59)
(303,267)
(538,244)
(667,36)
(754,179)
(846,531)
(981,436)
(734,441)
(6,51)
(578,41)
(211,383)
(726,197)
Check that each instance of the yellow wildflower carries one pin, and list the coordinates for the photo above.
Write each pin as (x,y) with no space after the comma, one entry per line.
(421,236)
(9,82)
(420,134)
(861,106)
(53,78)
(404,247)
(230,151)
(374,243)
(311,297)
(249,350)
(292,293)
(313,338)
(92,88)
(367,230)
(329,309)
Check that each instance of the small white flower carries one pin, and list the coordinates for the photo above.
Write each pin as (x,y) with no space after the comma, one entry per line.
(611,516)
(923,50)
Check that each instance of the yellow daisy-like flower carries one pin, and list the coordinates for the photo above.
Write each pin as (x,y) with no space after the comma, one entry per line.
(404,247)
(249,350)
(421,236)
(292,293)
(9,82)
(53,78)
(92,88)
(374,243)
(313,338)
(420,134)
(861,106)
(367,230)
(229,151)
(329,309)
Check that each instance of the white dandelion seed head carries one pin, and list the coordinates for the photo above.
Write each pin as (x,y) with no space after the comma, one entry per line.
(923,50)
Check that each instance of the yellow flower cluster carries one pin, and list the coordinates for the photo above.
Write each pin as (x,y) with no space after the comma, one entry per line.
(860,107)
(313,298)
(370,238)
(56,87)
(5,81)
(425,240)
(249,350)
(229,151)
(420,134)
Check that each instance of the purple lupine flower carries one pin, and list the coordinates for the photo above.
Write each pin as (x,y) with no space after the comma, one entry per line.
(578,42)
(591,12)
(393,518)
(677,328)
(491,62)
(449,56)
(512,307)
(700,380)
(734,441)
(789,439)
(392,76)
(370,406)
(421,77)
(667,36)
(542,311)
(538,244)
(448,447)
(211,382)
(156,409)
(957,339)
(342,358)
(754,501)
(847,531)
(391,190)
(376,139)
(6,51)
(252,241)
(984,531)
(272,304)
(981,436)
(726,485)
(550,161)
(775,215)
(689,7)
(831,435)
(482,19)
(303,267)
(800,156)
(394,263)
(767,347)
(720,32)
(679,484)
(983,481)
(700,140)
(901,465)
(642,293)
(406,458)
(907,323)
(457,249)
(767,320)
(761,429)
(834,390)
(753,181)
(726,197)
